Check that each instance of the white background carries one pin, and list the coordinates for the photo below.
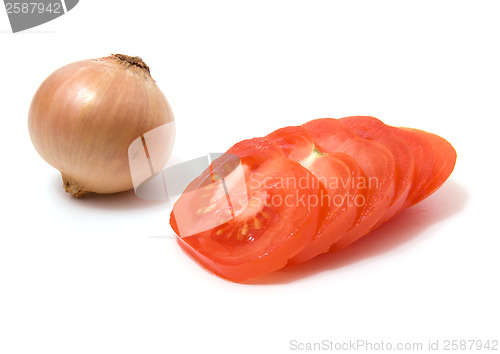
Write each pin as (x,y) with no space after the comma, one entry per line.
(104,274)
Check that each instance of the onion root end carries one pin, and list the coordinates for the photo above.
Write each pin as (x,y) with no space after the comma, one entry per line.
(72,187)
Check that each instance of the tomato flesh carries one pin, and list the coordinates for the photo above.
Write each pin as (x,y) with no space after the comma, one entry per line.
(377,163)
(337,172)
(279,221)
(373,129)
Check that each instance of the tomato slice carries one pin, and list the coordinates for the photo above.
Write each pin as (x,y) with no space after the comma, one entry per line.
(373,129)
(423,154)
(443,161)
(280,219)
(337,173)
(296,142)
(377,163)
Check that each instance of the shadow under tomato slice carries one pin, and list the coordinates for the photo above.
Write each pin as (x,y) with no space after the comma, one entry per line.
(278,221)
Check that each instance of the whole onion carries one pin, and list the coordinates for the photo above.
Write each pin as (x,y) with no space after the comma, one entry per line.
(85,115)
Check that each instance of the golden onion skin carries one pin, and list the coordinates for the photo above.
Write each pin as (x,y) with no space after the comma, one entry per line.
(85,115)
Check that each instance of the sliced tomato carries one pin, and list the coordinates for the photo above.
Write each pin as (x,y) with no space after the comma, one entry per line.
(377,163)
(423,154)
(373,129)
(443,162)
(280,218)
(274,201)
(337,172)
(296,142)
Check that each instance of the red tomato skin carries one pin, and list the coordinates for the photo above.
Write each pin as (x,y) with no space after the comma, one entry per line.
(423,155)
(443,162)
(334,170)
(371,128)
(377,163)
